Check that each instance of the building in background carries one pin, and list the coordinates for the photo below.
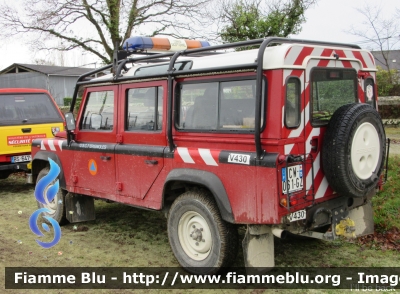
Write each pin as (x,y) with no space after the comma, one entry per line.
(393,57)
(58,80)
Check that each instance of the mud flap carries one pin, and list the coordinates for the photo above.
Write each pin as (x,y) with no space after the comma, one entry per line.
(258,248)
(363,218)
(79,208)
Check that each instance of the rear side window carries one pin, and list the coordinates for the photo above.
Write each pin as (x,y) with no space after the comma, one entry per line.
(292,103)
(217,106)
(331,88)
(16,109)
(99,111)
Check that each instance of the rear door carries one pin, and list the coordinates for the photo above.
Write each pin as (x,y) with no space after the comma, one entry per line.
(93,157)
(330,83)
(140,154)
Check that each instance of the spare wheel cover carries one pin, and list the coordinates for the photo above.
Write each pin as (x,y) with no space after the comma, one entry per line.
(353,150)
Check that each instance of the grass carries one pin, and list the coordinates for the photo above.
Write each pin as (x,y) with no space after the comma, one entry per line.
(387,202)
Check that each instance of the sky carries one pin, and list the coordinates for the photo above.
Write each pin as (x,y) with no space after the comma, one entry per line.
(330,19)
(327,21)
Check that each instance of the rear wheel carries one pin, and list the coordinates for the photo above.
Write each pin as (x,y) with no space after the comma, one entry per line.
(201,240)
(57,205)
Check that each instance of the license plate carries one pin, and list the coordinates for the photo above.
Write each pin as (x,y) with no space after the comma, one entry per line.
(293,178)
(21,158)
(297,215)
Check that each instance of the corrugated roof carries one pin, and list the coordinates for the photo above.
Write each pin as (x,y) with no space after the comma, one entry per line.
(49,69)
(393,59)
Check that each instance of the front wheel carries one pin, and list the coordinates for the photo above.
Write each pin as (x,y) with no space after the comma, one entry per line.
(201,240)
(56,206)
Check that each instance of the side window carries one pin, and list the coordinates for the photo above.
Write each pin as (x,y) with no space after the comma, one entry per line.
(198,106)
(217,106)
(238,105)
(369,92)
(99,111)
(292,103)
(144,109)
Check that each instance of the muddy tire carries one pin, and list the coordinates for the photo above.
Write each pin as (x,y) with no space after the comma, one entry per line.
(354,150)
(202,242)
(57,205)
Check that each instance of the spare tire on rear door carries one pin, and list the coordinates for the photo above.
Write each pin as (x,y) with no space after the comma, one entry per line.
(353,150)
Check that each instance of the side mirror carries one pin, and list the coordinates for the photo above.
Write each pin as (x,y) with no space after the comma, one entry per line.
(70,120)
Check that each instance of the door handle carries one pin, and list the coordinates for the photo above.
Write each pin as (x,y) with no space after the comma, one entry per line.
(26,130)
(151,162)
(105,158)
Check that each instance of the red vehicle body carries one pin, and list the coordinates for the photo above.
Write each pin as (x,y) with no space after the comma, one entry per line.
(252,155)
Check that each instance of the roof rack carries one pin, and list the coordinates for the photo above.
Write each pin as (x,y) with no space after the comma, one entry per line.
(257,65)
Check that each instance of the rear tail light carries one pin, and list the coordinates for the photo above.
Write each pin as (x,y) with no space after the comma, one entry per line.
(284,202)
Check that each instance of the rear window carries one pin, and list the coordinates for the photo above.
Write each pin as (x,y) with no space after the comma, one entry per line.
(16,109)
(331,88)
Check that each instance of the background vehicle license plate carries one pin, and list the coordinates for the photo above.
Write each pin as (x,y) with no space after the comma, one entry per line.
(297,215)
(21,158)
(292,178)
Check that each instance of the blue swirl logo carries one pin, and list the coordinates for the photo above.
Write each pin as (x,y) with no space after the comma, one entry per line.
(45,192)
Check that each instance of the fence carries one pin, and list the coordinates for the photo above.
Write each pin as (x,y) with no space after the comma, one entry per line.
(389,108)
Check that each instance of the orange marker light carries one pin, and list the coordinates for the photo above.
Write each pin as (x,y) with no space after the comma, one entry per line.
(161,44)
(192,44)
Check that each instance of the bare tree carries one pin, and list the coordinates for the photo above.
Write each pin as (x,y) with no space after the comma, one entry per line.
(41,61)
(380,33)
(97,25)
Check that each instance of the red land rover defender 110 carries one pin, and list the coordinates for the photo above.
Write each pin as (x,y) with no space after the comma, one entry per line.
(282,139)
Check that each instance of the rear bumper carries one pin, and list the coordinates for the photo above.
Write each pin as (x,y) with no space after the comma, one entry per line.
(20,166)
(327,213)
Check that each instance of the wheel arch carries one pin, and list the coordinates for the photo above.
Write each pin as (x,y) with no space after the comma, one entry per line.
(41,160)
(205,179)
